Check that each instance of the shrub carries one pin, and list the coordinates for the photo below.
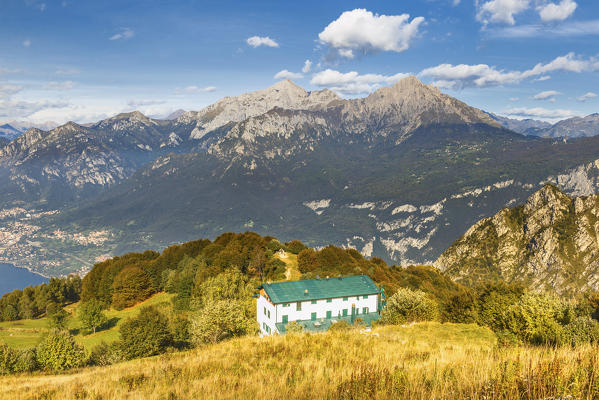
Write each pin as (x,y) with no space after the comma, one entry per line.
(57,316)
(8,359)
(580,331)
(230,285)
(59,351)
(130,286)
(26,361)
(223,319)
(106,354)
(295,246)
(146,335)
(294,327)
(339,326)
(408,305)
(461,308)
(537,318)
(91,315)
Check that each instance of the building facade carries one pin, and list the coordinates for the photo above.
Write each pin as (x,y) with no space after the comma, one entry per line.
(316,304)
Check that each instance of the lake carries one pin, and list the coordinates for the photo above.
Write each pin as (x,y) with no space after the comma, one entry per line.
(12,278)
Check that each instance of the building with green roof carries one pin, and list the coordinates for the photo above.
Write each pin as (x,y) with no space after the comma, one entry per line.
(316,304)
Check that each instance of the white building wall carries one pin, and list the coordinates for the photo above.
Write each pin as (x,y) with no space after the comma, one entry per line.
(266,314)
(336,306)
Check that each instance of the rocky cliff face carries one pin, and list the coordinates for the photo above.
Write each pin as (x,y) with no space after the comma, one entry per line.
(549,242)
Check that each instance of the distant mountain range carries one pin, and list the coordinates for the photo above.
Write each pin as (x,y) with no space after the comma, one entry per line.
(399,174)
(568,128)
(9,132)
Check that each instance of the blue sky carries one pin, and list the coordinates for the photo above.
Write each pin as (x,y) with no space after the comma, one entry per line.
(83,60)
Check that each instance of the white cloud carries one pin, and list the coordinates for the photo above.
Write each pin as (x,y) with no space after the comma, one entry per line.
(6,71)
(543,78)
(284,74)
(566,29)
(557,12)
(586,96)
(352,82)
(482,75)
(125,33)
(514,99)
(307,66)
(144,103)
(361,31)
(547,95)
(256,41)
(501,11)
(27,43)
(66,85)
(196,89)
(67,71)
(7,90)
(11,109)
(540,113)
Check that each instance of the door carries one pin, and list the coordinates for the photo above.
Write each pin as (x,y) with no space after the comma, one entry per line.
(285,319)
(345,312)
(313,316)
(329,314)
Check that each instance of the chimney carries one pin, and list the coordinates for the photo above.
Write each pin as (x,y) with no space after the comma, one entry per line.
(306,292)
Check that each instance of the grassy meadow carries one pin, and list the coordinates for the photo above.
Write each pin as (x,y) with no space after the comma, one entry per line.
(27,333)
(421,361)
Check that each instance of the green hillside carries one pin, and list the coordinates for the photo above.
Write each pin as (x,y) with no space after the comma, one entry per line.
(28,333)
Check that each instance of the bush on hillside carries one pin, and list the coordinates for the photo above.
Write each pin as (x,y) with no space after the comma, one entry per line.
(105,354)
(461,308)
(538,318)
(91,315)
(294,327)
(57,316)
(581,330)
(493,301)
(222,319)
(146,335)
(408,305)
(295,246)
(130,287)
(59,352)
(229,285)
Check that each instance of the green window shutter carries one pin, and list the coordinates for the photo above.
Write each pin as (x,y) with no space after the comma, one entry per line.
(264,310)
(299,306)
(329,314)
(345,312)
(285,319)
(345,299)
(365,310)
(313,316)
(313,301)
(268,313)
(365,297)
(329,300)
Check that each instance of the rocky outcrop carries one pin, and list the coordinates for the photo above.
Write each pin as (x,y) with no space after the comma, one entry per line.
(550,242)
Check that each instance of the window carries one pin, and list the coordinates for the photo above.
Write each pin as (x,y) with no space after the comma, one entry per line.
(365,310)
(365,297)
(357,311)
(264,311)
(268,313)
(345,299)
(313,301)
(299,306)
(286,304)
(329,314)
(285,319)
(345,312)
(329,300)
(313,316)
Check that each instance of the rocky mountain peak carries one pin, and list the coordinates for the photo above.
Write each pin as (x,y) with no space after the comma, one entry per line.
(549,242)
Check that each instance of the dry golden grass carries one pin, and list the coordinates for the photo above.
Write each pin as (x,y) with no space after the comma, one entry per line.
(423,361)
